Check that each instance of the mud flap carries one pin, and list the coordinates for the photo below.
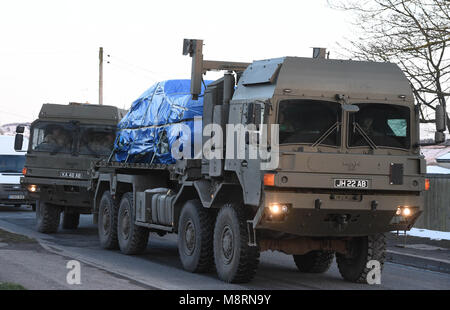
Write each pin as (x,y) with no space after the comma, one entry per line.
(251,234)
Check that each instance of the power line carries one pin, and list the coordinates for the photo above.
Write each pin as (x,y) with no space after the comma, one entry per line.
(14,114)
(129,70)
(122,69)
(119,59)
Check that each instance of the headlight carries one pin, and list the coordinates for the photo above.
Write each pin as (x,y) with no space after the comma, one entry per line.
(277,211)
(404,214)
(32,188)
(404,211)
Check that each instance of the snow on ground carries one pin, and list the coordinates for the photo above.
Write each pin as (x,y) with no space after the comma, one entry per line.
(431,234)
(437,170)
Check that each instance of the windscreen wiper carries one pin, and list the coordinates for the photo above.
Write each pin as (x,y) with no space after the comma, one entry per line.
(364,135)
(55,151)
(326,134)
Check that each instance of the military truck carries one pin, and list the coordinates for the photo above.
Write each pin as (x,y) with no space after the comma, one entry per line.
(343,168)
(64,141)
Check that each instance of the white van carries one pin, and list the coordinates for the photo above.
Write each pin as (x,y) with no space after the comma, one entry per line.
(11,165)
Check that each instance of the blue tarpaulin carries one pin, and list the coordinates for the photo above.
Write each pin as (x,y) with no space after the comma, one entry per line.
(155,121)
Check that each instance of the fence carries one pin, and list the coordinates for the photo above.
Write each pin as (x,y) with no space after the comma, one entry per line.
(436,211)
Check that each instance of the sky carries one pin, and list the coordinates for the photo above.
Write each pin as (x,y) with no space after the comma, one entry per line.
(49,49)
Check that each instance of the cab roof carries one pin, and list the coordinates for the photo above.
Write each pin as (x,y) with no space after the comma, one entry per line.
(81,112)
(324,78)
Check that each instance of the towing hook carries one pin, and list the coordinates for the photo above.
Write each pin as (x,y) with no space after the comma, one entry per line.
(342,219)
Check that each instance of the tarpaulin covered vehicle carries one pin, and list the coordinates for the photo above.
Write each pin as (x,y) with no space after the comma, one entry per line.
(156,120)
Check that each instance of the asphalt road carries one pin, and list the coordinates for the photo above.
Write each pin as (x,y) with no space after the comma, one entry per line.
(159,266)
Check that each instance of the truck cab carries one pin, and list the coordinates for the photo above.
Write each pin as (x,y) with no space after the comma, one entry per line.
(348,146)
(11,166)
(64,141)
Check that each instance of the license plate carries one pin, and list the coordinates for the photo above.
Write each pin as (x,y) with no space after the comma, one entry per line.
(351,183)
(72,175)
(16,197)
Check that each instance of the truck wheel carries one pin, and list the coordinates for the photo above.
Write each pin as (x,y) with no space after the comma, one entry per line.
(235,260)
(195,237)
(71,220)
(47,217)
(133,239)
(314,261)
(362,249)
(107,222)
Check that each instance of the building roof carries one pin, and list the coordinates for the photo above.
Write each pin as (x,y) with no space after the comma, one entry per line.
(437,170)
(432,153)
(444,158)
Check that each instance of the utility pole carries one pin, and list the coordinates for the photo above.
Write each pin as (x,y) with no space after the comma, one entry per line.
(100,79)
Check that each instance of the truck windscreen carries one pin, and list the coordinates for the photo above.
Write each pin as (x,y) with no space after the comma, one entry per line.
(95,140)
(52,137)
(387,125)
(309,121)
(11,163)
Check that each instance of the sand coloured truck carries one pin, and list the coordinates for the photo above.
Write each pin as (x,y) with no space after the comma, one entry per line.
(347,169)
(64,141)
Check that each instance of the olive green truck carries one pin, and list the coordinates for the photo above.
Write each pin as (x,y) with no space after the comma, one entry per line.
(337,165)
(64,142)
(344,167)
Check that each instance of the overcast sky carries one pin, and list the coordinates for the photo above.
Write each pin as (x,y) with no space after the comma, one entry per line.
(49,49)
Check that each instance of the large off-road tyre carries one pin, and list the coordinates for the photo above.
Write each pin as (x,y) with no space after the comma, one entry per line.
(353,267)
(235,260)
(314,261)
(195,237)
(107,221)
(47,217)
(133,239)
(71,220)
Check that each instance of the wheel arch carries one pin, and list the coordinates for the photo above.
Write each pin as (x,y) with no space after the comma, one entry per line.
(201,190)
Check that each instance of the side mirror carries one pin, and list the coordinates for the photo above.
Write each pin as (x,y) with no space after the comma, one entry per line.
(440,118)
(439,136)
(20,129)
(18,142)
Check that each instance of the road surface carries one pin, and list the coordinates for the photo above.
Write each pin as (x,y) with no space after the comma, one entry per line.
(159,267)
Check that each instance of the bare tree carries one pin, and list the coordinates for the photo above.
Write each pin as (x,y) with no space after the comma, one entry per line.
(415,34)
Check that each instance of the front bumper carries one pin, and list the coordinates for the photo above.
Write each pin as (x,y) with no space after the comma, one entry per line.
(62,192)
(13,194)
(333,215)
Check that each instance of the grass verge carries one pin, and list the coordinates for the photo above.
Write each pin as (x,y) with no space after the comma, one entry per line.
(6,237)
(10,287)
